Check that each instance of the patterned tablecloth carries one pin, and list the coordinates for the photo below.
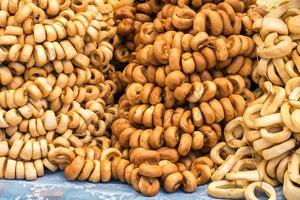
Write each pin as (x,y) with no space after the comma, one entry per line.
(54,186)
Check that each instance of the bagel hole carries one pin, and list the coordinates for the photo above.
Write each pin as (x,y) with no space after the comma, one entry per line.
(248,166)
(274,129)
(89,90)
(138,92)
(104,28)
(148,31)
(223,155)
(238,132)
(124,51)
(92,76)
(37,18)
(67,16)
(261,194)
(207,25)
(80,135)
(77,2)
(96,57)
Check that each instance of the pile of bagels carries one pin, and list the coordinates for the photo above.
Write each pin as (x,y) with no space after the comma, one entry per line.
(168,94)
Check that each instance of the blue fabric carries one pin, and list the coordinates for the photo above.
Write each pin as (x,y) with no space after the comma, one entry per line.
(54,186)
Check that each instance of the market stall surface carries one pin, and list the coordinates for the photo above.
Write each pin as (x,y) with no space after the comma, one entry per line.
(54,186)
